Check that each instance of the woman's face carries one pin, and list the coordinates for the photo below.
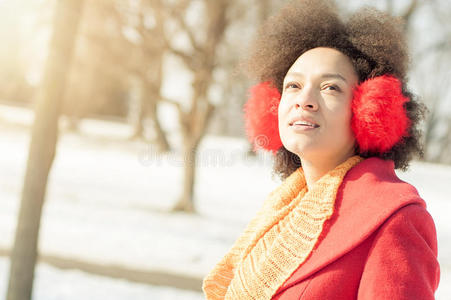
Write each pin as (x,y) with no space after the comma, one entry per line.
(315,108)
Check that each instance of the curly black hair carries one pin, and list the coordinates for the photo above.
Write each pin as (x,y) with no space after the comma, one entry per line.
(373,40)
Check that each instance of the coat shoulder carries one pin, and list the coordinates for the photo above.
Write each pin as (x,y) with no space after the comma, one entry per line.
(403,256)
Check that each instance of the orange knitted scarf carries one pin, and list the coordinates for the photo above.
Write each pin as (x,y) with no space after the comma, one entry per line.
(278,239)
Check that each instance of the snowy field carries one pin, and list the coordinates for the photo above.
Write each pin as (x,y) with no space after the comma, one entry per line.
(108,198)
(55,284)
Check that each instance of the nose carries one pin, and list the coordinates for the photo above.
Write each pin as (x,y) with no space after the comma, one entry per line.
(306,100)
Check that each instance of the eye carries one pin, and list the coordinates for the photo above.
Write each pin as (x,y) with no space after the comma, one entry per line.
(331,87)
(292,85)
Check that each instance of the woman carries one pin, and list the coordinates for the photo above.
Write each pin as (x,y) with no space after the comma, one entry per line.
(334,108)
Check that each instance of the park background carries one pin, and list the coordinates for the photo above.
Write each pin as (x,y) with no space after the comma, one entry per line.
(121,122)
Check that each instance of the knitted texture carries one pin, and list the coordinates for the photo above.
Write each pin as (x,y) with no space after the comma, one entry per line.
(278,239)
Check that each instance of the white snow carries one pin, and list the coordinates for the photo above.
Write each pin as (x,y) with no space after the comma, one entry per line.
(54,284)
(108,197)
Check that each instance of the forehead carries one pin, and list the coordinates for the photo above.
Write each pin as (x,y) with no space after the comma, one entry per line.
(324,60)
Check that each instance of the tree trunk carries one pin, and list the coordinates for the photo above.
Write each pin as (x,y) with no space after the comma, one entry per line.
(445,143)
(148,109)
(160,136)
(73,123)
(194,122)
(42,149)
(153,93)
(193,130)
(138,119)
(431,122)
(186,202)
(137,110)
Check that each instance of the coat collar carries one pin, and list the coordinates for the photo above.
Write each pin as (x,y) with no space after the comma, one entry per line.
(369,194)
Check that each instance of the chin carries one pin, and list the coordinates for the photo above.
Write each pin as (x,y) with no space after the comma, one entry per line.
(299,148)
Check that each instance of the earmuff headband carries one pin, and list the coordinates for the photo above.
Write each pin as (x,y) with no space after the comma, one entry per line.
(379,119)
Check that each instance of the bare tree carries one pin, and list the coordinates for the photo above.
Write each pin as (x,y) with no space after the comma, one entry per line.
(145,65)
(201,60)
(149,69)
(42,149)
(407,13)
(96,80)
(434,59)
(112,32)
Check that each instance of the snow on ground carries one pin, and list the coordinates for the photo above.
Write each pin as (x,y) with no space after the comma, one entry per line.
(102,197)
(54,284)
(107,201)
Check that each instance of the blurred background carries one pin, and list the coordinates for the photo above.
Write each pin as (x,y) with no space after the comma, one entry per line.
(125,170)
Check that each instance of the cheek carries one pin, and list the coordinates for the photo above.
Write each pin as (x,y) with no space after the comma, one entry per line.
(341,116)
(345,124)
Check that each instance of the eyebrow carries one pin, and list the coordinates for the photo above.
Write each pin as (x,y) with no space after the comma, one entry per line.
(325,75)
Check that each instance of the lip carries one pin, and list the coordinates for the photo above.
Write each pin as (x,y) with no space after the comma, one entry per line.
(303,119)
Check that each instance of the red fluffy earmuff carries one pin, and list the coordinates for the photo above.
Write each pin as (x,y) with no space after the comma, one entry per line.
(260,113)
(379,119)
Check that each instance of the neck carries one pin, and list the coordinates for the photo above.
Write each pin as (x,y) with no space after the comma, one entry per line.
(315,169)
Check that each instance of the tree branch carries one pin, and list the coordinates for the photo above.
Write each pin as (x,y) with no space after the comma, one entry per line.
(410,10)
(179,18)
(172,102)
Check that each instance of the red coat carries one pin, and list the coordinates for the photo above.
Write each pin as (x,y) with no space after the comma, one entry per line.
(379,244)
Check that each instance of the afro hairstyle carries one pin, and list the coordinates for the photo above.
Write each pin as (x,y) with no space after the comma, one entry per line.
(373,40)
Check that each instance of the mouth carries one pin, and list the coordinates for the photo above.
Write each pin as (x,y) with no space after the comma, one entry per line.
(304,124)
